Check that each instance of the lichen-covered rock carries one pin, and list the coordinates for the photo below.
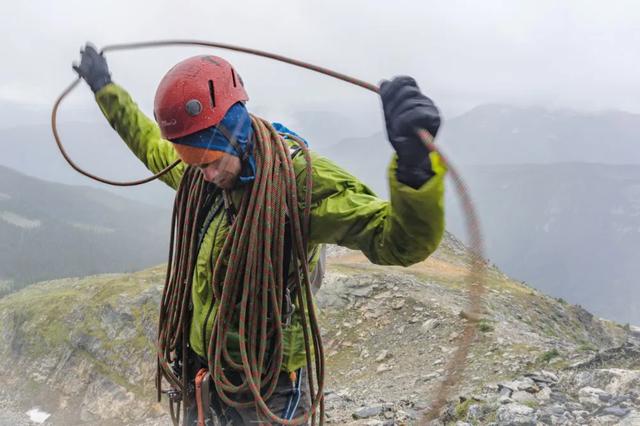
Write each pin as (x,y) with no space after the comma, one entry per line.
(366,412)
(516,414)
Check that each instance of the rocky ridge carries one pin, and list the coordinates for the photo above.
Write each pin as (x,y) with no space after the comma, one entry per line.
(82,349)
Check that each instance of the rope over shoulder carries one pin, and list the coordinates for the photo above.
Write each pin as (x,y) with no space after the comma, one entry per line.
(248,283)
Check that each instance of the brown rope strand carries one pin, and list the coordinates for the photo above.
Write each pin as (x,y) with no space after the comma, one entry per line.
(475,279)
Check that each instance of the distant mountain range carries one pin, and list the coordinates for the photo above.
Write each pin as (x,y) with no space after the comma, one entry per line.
(93,146)
(570,227)
(488,134)
(501,134)
(567,228)
(51,230)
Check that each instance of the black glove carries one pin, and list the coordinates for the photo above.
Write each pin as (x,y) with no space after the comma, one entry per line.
(406,109)
(93,68)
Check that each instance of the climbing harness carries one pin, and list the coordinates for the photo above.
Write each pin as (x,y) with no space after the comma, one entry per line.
(245,270)
(294,398)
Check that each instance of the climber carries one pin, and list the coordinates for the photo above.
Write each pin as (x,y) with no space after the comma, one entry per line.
(201,118)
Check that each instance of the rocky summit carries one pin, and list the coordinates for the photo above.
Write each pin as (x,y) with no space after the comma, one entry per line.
(81,351)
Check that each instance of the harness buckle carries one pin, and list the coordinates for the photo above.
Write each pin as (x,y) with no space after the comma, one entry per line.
(174,394)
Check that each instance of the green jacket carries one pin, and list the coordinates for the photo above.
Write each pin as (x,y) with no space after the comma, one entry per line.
(344,211)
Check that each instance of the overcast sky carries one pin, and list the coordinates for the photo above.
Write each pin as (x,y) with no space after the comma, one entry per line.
(578,54)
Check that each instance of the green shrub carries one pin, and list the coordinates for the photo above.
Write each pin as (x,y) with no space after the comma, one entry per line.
(484,326)
(549,355)
(462,409)
(586,347)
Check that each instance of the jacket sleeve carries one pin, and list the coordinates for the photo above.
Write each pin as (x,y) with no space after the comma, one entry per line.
(402,231)
(140,133)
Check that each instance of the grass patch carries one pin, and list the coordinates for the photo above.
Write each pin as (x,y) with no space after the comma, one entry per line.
(587,347)
(462,409)
(549,355)
(484,326)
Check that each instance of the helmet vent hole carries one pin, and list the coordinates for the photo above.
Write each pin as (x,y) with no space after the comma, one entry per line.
(212,94)
(233,76)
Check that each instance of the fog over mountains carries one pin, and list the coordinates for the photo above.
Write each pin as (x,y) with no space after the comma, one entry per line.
(501,134)
(558,191)
(29,147)
(50,230)
(569,229)
(568,225)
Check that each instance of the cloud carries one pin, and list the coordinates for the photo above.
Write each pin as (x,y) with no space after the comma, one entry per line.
(573,53)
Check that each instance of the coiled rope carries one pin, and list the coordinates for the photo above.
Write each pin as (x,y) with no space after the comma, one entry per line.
(475,279)
(248,283)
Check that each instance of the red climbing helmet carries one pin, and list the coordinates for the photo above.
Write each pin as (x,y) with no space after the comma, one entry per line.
(196,94)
